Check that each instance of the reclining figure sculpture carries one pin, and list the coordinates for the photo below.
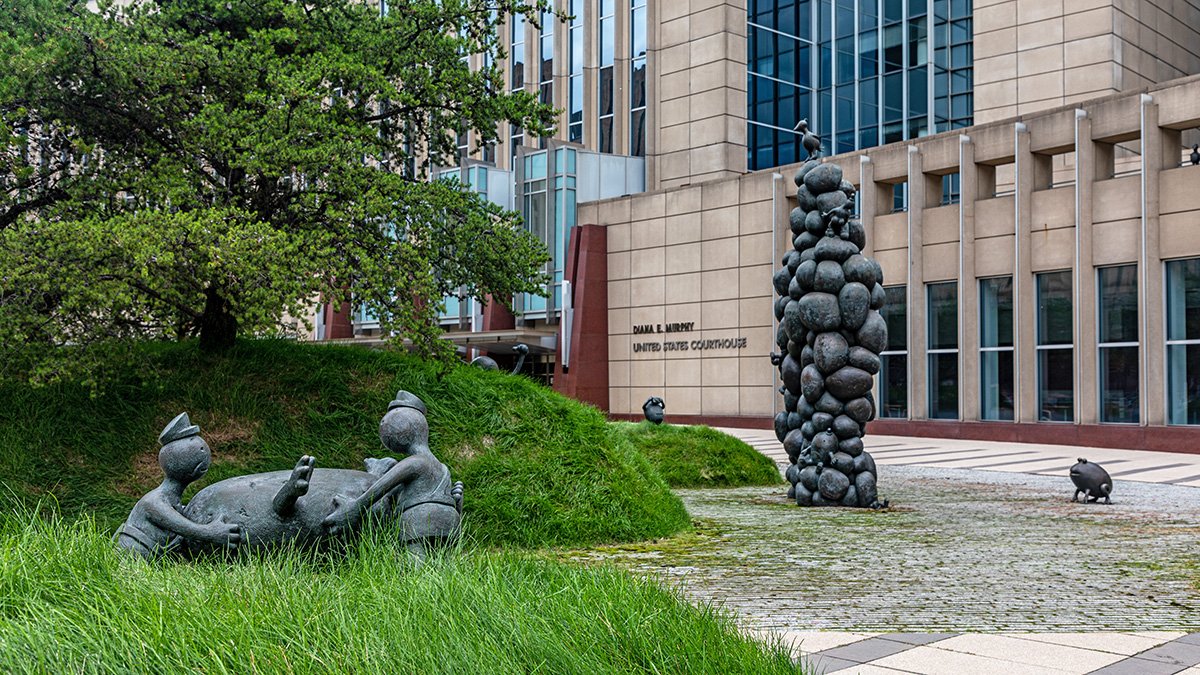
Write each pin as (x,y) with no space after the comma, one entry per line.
(305,507)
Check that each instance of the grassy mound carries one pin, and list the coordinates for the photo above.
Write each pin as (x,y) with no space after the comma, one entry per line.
(539,468)
(698,456)
(72,606)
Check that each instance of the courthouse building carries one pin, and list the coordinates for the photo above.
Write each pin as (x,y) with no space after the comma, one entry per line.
(1024,180)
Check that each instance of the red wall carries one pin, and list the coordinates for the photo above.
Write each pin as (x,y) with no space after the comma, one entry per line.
(586,379)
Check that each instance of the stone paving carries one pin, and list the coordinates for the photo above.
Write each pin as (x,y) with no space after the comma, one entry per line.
(980,566)
(959,551)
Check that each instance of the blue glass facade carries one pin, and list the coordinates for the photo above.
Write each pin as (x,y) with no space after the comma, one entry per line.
(863,72)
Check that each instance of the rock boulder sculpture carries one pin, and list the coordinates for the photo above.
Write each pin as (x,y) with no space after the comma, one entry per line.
(830,333)
(305,507)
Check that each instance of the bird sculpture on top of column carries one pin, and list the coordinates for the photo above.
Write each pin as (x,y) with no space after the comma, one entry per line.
(810,141)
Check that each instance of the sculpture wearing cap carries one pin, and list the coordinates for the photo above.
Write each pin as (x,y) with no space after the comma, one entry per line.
(307,507)
(157,524)
(419,486)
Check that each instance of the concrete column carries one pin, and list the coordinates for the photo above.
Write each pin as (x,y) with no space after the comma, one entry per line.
(867,195)
(653,26)
(1083,275)
(1024,284)
(918,388)
(1150,288)
(591,74)
(621,70)
(968,286)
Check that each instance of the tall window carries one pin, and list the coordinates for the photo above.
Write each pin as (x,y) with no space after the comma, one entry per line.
(637,76)
(943,350)
(546,59)
(516,58)
(779,81)
(996,348)
(608,48)
(893,373)
(1118,344)
(1055,348)
(1183,341)
(575,74)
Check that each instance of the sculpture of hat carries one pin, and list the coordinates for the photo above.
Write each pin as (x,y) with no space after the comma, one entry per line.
(180,427)
(406,400)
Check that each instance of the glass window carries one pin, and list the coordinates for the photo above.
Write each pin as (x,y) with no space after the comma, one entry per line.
(868,54)
(1118,344)
(996,348)
(943,350)
(893,48)
(893,373)
(1055,348)
(1183,341)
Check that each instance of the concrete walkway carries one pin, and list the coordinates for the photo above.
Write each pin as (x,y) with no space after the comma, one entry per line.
(1143,653)
(1100,653)
(1047,460)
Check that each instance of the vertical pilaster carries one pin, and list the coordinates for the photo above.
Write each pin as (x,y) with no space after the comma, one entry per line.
(1024,284)
(1083,274)
(867,195)
(968,288)
(591,73)
(1150,291)
(653,26)
(918,398)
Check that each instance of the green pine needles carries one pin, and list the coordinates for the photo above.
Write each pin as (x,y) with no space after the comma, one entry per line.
(210,168)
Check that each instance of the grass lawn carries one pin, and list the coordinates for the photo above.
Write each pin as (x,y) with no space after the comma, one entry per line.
(68,603)
(539,468)
(698,456)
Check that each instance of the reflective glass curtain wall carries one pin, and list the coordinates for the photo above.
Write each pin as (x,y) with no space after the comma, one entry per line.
(863,72)
(549,208)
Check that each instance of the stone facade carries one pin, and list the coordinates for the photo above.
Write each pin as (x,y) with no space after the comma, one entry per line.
(706,253)
(1033,55)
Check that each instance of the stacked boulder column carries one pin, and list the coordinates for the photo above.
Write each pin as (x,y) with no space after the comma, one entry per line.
(831,335)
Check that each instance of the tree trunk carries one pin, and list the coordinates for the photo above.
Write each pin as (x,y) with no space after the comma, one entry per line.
(218,328)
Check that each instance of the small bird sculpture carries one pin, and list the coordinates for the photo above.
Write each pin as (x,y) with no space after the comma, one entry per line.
(1195,155)
(810,141)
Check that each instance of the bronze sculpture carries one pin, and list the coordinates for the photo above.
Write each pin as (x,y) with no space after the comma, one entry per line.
(1092,480)
(305,507)
(830,335)
(653,409)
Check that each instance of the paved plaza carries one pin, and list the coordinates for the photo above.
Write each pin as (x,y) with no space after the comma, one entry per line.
(982,565)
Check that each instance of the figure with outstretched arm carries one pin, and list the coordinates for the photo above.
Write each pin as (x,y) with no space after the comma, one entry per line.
(157,524)
(418,487)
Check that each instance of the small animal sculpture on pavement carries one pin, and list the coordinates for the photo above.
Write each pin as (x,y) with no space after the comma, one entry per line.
(158,524)
(1092,480)
(653,409)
